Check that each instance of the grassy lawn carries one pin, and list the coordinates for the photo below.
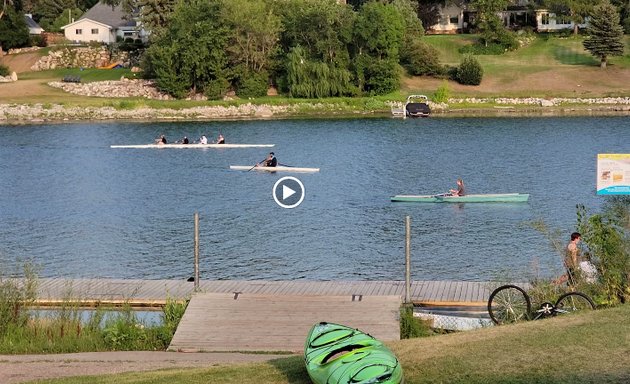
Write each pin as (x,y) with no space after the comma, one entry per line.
(87,75)
(585,348)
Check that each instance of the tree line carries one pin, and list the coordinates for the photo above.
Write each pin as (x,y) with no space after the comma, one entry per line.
(306,48)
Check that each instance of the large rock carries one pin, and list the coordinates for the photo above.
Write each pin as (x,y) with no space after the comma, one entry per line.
(14,76)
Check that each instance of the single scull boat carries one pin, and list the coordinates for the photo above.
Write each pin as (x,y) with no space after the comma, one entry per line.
(481,198)
(273,169)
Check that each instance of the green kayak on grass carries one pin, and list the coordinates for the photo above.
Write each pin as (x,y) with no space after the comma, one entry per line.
(336,354)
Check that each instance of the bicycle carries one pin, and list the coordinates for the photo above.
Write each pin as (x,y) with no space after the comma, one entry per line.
(510,304)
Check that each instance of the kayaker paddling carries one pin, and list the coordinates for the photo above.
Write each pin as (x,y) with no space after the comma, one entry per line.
(460,191)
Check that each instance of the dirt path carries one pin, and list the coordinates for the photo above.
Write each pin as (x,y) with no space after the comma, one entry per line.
(20,63)
(22,368)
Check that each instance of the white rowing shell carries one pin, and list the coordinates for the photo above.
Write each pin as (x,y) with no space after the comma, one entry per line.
(193,146)
(272,169)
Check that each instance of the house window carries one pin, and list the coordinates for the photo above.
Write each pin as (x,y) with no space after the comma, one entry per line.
(453,19)
(562,19)
(544,19)
(78,31)
(95,31)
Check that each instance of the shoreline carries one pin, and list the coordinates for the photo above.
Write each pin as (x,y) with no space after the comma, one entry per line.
(19,114)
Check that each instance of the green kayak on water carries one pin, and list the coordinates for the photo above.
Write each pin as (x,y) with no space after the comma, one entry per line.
(481,198)
(336,354)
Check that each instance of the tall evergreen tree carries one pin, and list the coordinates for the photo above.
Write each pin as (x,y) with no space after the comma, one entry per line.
(605,35)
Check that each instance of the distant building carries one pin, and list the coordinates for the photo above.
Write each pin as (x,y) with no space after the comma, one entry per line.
(104,24)
(460,18)
(33,27)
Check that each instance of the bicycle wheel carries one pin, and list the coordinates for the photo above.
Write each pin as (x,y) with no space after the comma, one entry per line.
(509,304)
(574,302)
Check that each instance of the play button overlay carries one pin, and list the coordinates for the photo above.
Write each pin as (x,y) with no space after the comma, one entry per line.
(288,192)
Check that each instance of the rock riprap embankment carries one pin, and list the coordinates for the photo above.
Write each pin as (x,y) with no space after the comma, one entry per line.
(123,88)
(14,112)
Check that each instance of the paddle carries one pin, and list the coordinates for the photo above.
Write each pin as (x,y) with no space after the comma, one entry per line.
(256,164)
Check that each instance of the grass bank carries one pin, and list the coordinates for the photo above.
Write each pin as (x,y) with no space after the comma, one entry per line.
(72,328)
(585,348)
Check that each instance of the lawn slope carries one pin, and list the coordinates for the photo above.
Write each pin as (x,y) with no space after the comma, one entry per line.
(589,348)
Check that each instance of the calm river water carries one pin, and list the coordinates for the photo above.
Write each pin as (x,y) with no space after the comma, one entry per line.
(78,208)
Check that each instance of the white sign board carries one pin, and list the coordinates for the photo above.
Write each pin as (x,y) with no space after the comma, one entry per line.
(613,174)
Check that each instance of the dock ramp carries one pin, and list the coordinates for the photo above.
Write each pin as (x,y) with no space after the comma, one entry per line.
(222,322)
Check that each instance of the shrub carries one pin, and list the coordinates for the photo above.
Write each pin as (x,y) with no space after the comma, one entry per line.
(216,89)
(469,71)
(4,70)
(421,59)
(378,76)
(607,236)
(442,94)
(37,40)
(253,84)
(411,326)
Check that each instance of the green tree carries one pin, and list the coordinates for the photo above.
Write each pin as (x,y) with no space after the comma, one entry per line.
(13,29)
(315,39)
(605,35)
(378,32)
(191,54)
(255,30)
(607,236)
(322,28)
(490,25)
(63,19)
(314,78)
(469,71)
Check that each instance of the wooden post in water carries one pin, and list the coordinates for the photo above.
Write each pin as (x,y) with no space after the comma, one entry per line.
(407,259)
(196,285)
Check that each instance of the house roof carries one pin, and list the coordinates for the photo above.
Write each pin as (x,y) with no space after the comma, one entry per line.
(30,23)
(103,13)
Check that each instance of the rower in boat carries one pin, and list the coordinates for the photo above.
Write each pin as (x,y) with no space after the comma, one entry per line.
(203,139)
(220,139)
(270,161)
(161,140)
(184,140)
(460,191)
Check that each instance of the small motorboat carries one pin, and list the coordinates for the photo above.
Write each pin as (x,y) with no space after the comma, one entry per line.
(415,106)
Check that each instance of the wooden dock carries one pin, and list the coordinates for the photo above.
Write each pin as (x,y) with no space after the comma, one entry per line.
(238,315)
(154,293)
(222,322)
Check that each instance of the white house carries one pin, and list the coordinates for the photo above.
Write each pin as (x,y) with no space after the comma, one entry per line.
(33,27)
(549,22)
(457,18)
(104,24)
(451,20)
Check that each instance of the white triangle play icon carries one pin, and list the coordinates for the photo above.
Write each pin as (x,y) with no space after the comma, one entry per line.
(287,192)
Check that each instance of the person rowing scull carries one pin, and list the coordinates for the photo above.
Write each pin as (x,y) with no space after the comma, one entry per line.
(270,161)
